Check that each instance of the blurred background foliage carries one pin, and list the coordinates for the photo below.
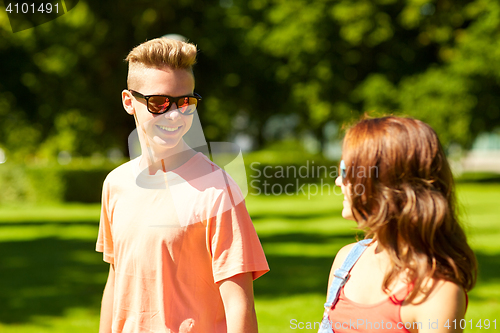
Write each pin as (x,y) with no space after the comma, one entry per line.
(269,71)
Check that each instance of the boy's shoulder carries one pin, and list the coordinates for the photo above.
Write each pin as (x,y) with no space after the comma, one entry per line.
(202,171)
(199,171)
(121,172)
(206,178)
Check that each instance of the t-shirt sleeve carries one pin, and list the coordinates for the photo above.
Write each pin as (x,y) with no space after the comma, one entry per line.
(235,246)
(104,239)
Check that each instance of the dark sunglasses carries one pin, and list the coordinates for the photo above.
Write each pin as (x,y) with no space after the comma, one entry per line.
(343,171)
(159,104)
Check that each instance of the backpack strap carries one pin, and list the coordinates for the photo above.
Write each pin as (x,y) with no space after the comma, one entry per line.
(341,276)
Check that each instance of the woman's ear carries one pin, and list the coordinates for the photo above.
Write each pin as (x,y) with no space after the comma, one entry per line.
(127,102)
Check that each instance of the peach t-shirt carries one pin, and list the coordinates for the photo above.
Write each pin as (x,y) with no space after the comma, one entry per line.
(171,244)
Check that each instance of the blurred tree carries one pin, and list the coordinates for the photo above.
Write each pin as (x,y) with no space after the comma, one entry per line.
(322,61)
(434,60)
(56,86)
(61,81)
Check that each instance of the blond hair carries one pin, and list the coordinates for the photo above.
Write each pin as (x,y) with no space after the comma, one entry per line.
(160,53)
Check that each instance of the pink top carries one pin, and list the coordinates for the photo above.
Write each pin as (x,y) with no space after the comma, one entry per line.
(348,316)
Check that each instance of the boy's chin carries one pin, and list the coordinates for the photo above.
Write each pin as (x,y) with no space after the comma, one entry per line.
(162,146)
(167,143)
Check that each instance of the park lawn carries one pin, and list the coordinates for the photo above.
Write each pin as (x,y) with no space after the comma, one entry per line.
(51,279)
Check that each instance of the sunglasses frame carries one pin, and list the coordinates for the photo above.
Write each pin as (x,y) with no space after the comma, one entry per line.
(172,99)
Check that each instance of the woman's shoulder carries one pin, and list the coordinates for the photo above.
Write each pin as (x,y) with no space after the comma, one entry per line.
(438,293)
(339,259)
(342,255)
(438,300)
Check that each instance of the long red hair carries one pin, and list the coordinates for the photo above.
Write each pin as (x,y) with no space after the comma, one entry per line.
(404,197)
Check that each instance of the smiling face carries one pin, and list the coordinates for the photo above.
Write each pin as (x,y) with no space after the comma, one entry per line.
(163,131)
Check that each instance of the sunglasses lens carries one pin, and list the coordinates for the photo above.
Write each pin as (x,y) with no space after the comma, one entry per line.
(187,105)
(161,104)
(158,104)
(343,170)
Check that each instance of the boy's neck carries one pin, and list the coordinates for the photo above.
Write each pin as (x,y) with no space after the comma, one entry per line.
(170,159)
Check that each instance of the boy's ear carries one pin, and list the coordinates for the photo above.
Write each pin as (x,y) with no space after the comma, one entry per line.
(127,102)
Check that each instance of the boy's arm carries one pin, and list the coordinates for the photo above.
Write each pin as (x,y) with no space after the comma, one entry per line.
(237,296)
(107,303)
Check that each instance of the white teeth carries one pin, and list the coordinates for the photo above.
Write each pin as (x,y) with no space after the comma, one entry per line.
(169,129)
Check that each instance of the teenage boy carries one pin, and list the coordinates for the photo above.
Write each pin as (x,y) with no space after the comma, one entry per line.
(182,249)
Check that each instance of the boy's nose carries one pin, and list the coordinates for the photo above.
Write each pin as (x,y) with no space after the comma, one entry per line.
(173,112)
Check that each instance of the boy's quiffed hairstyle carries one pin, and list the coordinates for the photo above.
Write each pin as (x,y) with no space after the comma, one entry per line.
(159,53)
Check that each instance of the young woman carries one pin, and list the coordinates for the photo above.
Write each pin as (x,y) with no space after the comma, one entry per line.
(414,269)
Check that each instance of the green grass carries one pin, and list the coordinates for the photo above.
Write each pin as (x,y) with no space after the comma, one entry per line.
(51,279)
